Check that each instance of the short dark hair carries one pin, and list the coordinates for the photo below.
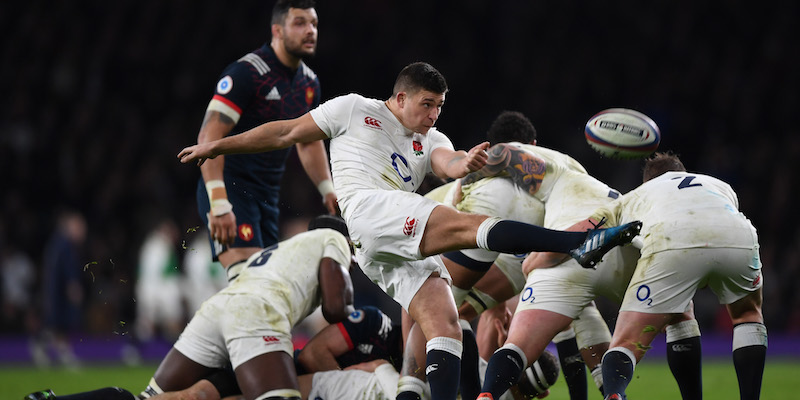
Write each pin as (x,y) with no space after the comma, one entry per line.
(281,9)
(659,163)
(511,126)
(420,76)
(329,221)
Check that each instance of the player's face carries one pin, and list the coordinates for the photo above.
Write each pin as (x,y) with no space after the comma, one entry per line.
(420,110)
(300,32)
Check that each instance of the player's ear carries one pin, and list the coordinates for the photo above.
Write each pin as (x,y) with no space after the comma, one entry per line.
(277,31)
(400,98)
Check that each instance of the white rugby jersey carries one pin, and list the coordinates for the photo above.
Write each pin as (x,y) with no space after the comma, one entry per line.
(285,275)
(371,149)
(682,210)
(355,384)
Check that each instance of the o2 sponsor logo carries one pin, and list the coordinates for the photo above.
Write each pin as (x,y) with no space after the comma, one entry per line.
(643,295)
(527,296)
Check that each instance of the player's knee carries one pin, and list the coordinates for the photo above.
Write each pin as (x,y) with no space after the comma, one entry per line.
(280,394)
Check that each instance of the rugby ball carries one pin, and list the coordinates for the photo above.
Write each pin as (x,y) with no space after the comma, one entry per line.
(622,133)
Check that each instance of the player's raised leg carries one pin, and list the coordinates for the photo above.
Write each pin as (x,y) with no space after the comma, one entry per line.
(449,230)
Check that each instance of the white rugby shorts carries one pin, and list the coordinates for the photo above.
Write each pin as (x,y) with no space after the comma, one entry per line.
(234,328)
(386,228)
(665,282)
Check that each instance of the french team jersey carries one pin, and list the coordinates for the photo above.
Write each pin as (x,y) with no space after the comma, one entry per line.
(371,149)
(371,335)
(256,89)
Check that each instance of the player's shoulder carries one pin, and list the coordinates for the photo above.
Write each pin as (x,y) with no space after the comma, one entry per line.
(320,235)
(307,71)
(257,61)
(554,156)
(355,104)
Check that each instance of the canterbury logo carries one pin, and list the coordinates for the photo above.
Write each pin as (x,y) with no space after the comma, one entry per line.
(410,227)
(270,339)
(431,368)
(757,280)
(514,360)
(679,348)
(372,122)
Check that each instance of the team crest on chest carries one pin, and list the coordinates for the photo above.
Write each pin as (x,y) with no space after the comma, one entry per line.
(417,145)
(309,95)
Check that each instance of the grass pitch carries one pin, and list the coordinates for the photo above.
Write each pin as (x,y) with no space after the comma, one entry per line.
(652,380)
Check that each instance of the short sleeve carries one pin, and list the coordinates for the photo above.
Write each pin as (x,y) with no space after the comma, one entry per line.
(336,247)
(333,116)
(438,139)
(234,90)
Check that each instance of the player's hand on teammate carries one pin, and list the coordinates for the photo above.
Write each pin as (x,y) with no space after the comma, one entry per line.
(199,152)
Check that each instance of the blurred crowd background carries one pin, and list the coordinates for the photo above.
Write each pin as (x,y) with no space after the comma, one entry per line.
(100,96)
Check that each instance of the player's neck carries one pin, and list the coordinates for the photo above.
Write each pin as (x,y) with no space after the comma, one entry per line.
(392,105)
(284,56)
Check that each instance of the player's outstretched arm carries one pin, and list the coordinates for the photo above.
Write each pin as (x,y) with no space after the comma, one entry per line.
(320,353)
(448,163)
(273,135)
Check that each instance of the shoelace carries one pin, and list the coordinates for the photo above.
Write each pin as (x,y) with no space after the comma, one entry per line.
(599,224)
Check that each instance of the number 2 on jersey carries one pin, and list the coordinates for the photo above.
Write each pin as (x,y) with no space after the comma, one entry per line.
(686,182)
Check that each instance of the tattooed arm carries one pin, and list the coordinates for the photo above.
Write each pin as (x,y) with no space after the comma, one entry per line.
(523,168)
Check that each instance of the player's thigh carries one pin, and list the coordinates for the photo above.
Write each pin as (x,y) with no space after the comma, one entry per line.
(178,372)
(266,372)
(448,230)
(747,309)
(434,310)
(388,224)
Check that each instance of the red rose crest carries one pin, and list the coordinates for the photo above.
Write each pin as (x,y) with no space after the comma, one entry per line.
(417,148)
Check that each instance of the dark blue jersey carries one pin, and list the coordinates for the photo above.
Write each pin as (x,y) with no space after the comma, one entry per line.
(251,91)
(371,335)
(256,89)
